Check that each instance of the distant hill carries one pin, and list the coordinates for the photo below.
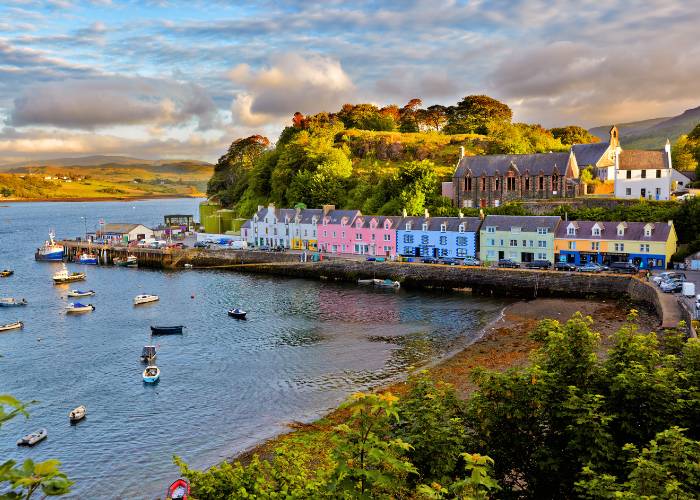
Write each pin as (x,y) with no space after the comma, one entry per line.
(652,134)
(105,161)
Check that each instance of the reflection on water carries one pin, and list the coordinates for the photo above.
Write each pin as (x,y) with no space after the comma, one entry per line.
(225,384)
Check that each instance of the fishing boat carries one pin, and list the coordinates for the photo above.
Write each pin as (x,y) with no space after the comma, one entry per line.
(129,261)
(50,251)
(145,299)
(188,266)
(166,330)
(81,293)
(12,302)
(6,273)
(63,276)
(387,283)
(148,354)
(179,490)
(11,326)
(33,438)
(77,307)
(365,282)
(77,414)
(237,313)
(87,258)
(151,374)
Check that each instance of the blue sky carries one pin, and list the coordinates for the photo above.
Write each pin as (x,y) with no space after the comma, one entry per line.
(168,79)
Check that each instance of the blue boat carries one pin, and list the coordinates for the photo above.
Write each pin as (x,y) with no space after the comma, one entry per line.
(87,258)
(50,251)
(151,374)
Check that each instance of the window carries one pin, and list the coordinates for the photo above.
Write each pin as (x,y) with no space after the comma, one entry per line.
(542,256)
(644,174)
(658,174)
(514,243)
(515,230)
(628,191)
(491,229)
(407,251)
(387,237)
(572,245)
(501,242)
(374,236)
(596,231)
(408,226)
(461,241)
(571,231)
(498,184)
(386,225)
(542,244)
(461,252)
(524,243)
(468,183)
(629,174)
(387,249)
(408,238)
(527,184)
(325,233)
(542,230)
(532,243)
(443,228)
(510,183)
(424,239)
(647,231)
(490,254)
(595,245)
(541,182)
(425,226)
(619,247)
(621,231)
(644,247)
(443,252)
(334,234)
(658,191)
(492,242)
(342,235)
(461,228)
(483,183)
(443,240)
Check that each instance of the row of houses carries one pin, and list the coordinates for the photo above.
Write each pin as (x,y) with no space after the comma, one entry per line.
(519,238)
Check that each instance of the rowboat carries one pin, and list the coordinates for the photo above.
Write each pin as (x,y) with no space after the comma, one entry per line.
(148,354)
(166,330)
(11,326)
(12,302)
(145,299)
(6,272)
(77,414)
(387,283)
(87,258)
(129,261)
(237,313)
(81,293)
(33,438)
(365,282)
(179,490)
(151,374)
(77,307)
(63,276)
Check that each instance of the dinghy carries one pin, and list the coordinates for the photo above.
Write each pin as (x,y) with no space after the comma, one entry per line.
(145,299)
(77,307)
(148,354)
(77,414)
(11,326)
(33,438)
(387,283)
(63,276)
(12,302)
(365,282)
(166,330)
(81,293)
(237,313)
(151,374)
(179,490)
(6,272)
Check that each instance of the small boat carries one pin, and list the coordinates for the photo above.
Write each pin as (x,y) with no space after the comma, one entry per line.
(387,283)
(77,307)
(51,251)
(151,374)
(129,261)
(11,326)
(166,330)
(188,266)
(81,293)
(179,490)
(237,313)
(148,354)
(77,414)
(12,302)
(365,282)
(33,438)
(63,276)
(87,258)
(145,299)
(6,272)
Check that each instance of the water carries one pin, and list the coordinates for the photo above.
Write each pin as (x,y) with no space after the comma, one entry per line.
(225,384)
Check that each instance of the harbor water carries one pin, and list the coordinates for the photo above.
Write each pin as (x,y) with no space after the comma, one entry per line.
(225,384)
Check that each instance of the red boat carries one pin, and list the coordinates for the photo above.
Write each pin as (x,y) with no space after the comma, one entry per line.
(179,490)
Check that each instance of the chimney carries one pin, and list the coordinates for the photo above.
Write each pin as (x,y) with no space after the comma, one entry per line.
(461,152)
(327,208)
(404,213)
(427,215)
(461,215)
(670,223)
(481,214)
(667,148)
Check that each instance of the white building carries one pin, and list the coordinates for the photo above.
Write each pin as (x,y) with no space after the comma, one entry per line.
(644,174)
(284,227)
(124,232)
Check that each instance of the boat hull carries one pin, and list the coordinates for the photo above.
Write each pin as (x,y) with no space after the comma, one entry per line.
(77,414)
(33,438)
(166,330)
(69,279)
(49,256)
(237,315)
(89,262)
(13,304)
(89,293)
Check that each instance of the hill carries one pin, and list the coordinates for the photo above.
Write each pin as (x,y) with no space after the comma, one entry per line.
(98,161)
(652,133)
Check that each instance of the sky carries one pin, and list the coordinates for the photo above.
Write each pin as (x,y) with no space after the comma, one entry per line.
(169,79)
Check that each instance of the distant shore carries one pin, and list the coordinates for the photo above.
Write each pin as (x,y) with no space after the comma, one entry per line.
(98,198)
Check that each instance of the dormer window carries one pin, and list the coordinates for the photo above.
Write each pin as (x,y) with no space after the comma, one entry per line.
(621,229)
(386,225)
(443,228)
(408,226)
(425,226)
(648,229)
(571,231)
(515,229)
(461,228)
(595,231)
(491,229)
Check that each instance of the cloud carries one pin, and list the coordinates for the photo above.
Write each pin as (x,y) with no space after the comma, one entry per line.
(113,100)
(292,82)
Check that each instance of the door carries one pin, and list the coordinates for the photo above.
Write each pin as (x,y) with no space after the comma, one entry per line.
(643,193)
(501,255)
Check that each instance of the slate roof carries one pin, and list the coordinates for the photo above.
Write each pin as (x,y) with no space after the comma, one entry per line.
(471,224)
(589,154)
(120,227)
(526,223)
(633,231)
(246,225)
(489,165)
(395,220)
(690,174)
(335,216)
(307,214)
(637,159)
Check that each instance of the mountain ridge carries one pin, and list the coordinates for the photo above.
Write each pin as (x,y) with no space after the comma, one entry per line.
(100,161)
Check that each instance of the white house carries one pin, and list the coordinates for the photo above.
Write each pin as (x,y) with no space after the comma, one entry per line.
(284,227)
(124,232)
(679,181)
(599,156)
(644,174)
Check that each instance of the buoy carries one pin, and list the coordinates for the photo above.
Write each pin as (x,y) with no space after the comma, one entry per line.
(192,296)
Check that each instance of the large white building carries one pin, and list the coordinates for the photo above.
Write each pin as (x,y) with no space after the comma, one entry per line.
(644,174)
(283,227)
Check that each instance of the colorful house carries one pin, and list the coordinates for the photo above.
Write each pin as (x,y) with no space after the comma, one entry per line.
(648,245)
(518,238)
(378,235)
(284,227)
(453,237)
(337,231)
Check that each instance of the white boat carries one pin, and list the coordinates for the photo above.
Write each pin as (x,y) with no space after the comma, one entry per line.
(77,414)
(63,276)
(87,258)
(365,282)
(12,302)
(145,299)
(11,326)
(129,261)
(77,307)
(387,283)
(50,251)
(33,438)
(81,293)
(151,374)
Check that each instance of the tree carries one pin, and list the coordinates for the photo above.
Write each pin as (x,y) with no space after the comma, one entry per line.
(473,114)
(434,117)
(408,122)
(682,155)
(417,183)
(573,134)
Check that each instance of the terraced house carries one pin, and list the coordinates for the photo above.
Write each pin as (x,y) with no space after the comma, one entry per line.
(284,227)
(648,245)
(518,238)
(453,237)
(337,231)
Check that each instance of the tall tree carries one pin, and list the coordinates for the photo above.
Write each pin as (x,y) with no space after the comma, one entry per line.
(231,171)
(573,134)
(474,113)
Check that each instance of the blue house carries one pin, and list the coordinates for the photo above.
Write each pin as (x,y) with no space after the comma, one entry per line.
(453,237)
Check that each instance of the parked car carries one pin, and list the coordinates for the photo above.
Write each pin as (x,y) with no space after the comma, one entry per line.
(507,263)
(590,267)
(471,261)
(429,260)
(264,248)
(201,244)
(565,266)
(671,286)
(624,267)
(448,261)
(538,264)
(666,275)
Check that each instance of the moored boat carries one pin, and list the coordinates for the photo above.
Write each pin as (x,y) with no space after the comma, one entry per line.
(63,276)
(12,302)
(148,354)
(166,330)
(129,261)
(81,293)
(179,490)
(33,438)
(77,307)
(87,258)
(50,251)
(365,282)
(145,299)
(151,374)
(387,283)
(237,313)
(11,326)
(6,273)
(77,414)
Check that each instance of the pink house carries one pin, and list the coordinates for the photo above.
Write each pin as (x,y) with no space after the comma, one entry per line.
(336,233)
(350,232)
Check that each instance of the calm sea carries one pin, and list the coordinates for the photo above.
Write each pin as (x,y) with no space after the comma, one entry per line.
(225,384)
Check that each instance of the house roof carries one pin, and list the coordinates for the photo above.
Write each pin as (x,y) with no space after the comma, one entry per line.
(471,224)
(120,227)
(490,165)
(527,223)
(690,174)
(246,225)
(637,159)
(306,214)
(589,154)
(395,220)
(633,230)
(335,216)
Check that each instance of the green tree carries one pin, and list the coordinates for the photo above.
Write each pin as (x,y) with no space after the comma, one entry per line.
(474,113)
(682,154)
(573,134)
(417,182)
(230,177)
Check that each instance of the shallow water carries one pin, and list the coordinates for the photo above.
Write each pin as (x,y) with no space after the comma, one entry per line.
(225,384)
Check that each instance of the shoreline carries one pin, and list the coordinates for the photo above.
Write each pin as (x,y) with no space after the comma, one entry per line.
(502,344)
(90,199)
